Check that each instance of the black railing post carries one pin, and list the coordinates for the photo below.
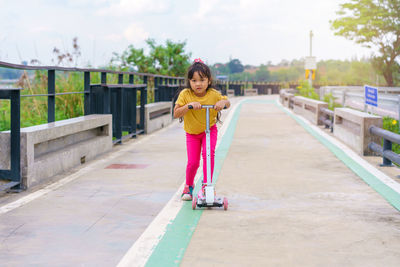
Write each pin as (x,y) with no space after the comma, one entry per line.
(156,91)
(86,91)
(15,136)
(387,145)
(133,121)
(170,89)
(118,115)
(119,108)
(51,98)
(103,77)
(107,94)
(161,90)
(143,101)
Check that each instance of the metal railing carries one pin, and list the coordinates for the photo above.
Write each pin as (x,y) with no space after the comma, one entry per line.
(13,175)
(160,81)
(386,151)
(354,96)
(117,99)
(238,87)
(327,118)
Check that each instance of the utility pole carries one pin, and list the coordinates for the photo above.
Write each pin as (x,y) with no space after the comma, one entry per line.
(310,75)
(310,63)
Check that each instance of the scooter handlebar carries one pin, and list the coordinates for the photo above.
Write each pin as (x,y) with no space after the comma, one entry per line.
(204,106)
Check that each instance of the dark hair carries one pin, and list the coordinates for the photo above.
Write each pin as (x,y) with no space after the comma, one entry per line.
(203,70)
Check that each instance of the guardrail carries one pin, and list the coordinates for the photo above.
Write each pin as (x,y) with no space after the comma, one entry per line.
(386,151)
(161,85)
(327,118)
(354,96)
(116,99)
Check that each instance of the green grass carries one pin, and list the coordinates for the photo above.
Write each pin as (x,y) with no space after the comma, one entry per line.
(34,109)
(393,126)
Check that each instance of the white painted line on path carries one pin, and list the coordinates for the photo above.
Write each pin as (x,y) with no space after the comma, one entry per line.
(90,167)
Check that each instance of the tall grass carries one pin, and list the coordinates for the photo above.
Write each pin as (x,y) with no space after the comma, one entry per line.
(34,109)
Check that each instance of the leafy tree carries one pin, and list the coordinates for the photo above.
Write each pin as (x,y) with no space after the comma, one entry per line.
(169,59)
(241,76)
(354,72)
(235,66)
(220,69)
(373,23)
(262,74)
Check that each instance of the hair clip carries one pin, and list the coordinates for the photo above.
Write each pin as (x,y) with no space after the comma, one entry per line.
(198,60)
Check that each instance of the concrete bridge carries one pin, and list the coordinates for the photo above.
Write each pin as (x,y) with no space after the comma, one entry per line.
(297,197)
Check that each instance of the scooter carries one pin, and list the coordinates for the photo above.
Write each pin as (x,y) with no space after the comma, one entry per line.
(210,199)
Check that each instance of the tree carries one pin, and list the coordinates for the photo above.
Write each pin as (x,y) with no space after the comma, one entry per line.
(235,66)
(170,59)
(220,69)
(373,23)
(262,74)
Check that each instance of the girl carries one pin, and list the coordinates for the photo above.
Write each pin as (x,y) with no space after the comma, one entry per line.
(197,93)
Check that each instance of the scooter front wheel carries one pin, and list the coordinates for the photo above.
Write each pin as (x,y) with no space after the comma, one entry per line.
(194,203)
(225,203)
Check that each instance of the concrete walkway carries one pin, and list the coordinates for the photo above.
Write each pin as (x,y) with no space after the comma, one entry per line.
(292,202)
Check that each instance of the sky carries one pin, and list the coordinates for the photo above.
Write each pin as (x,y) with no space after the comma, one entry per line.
(253,31)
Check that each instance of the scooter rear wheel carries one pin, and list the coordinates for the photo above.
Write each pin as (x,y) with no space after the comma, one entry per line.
(194,203)
(225,203)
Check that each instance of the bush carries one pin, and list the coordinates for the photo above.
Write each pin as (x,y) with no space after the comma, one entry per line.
(307,91)
(393,126)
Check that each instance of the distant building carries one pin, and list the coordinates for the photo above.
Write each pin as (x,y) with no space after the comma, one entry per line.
(221,77)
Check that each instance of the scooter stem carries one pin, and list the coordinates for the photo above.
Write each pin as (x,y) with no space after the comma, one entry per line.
(208,142)
(208,147)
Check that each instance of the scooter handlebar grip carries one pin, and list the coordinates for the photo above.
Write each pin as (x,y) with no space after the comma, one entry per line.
(191,107)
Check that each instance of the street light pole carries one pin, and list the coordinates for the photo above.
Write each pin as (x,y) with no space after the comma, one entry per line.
(311,71)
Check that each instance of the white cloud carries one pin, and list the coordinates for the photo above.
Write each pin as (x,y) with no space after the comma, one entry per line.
(129,7)
(113,37)
(205,8)
(85,3)
(255,31)
(135,34)
(41,29)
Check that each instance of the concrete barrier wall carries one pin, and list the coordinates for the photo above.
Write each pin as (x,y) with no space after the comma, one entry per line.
(157,115)
(50,149)
(250,92)
(285,98)
(231,93)
(352,128)
(308,108)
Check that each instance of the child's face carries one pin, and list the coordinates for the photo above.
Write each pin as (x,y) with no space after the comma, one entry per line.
(199,84)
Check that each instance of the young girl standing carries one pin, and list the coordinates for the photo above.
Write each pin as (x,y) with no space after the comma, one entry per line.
(198,93)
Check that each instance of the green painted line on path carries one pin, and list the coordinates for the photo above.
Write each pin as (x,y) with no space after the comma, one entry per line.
(384,190)
(172,246)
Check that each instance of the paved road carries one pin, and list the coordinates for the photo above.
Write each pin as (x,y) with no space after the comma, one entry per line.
(292,202)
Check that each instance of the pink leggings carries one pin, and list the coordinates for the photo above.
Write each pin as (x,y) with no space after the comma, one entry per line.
(194,144)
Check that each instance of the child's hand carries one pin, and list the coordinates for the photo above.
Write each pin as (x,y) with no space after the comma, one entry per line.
(195,105)
(219,105)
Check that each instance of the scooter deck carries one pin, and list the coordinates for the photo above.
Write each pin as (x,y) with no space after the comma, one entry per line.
(218,202)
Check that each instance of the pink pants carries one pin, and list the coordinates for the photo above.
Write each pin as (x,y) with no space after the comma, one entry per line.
(194,145)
